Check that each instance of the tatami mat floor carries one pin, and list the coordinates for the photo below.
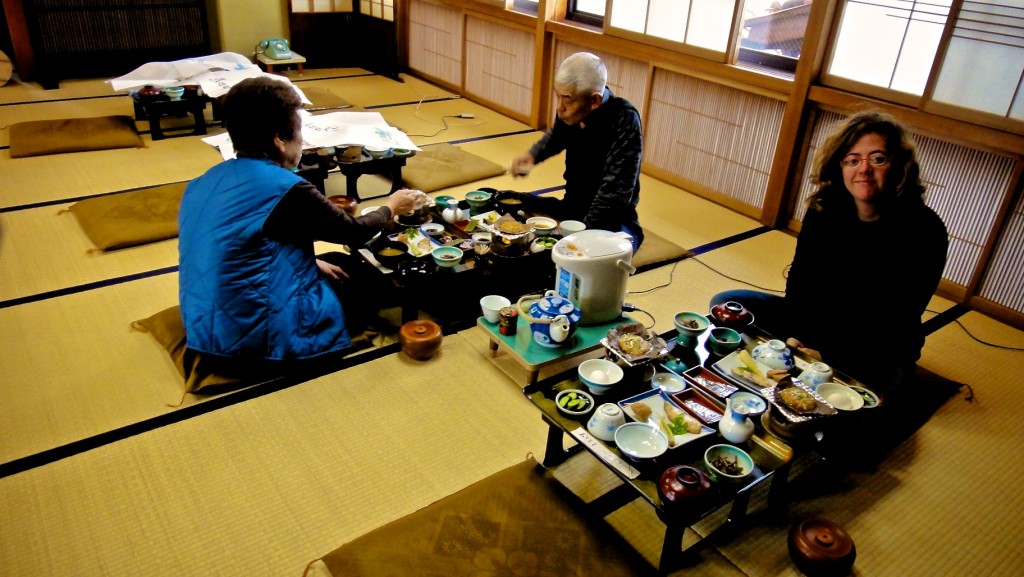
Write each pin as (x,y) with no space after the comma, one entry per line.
(263,486)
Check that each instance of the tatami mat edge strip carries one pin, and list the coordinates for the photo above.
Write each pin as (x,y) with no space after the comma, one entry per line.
(86,287)
(394,104)
(29,102)
(213,404)
(944,318)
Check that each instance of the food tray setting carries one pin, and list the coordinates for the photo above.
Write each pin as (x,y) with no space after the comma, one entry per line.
(651,407)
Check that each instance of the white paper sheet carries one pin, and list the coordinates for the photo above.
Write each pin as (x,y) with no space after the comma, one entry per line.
(335,129)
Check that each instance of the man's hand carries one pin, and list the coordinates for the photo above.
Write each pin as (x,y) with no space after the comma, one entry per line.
(522,165)
(330,270)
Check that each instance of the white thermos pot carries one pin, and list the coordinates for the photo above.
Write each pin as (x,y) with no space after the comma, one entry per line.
(592,268)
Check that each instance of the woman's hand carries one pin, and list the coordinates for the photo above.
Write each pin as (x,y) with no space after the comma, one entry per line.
(405,200)
(795,344)
(522,165)
(331,270)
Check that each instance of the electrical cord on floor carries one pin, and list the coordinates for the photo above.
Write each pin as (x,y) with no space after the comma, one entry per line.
(629,308)
(986,343)
(718,272)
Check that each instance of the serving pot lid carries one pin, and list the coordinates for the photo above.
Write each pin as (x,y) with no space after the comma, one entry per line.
(592,244)
(819,541)
(552,305)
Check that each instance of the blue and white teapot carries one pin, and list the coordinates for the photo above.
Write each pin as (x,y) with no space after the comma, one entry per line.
(553,319)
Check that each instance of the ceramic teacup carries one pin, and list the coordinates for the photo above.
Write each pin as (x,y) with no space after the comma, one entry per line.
(605,420)
(816,374)
(567,227)
(491,306)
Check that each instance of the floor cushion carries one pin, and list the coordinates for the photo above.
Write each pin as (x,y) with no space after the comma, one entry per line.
(39,137)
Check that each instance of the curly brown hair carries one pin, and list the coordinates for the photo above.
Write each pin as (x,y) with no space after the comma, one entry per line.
(903,181)
(258,109)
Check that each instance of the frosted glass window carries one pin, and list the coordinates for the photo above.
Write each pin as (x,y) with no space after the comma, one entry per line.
(630,15)
(889,43)
(595,7)
(703,23)
(987,50)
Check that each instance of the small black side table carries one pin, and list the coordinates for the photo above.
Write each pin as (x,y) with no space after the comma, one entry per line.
(390,166)
(152,108)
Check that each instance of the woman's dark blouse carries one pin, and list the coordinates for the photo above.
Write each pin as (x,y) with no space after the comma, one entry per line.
(856,290)
(304,214)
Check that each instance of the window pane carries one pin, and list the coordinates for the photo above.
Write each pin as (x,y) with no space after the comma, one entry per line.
(630,15)
(595,7)
(703,23)
(668,19)
(888,42)
(990,33)
(709,24)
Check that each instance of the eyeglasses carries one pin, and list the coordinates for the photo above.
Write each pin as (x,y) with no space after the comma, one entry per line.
(874,160)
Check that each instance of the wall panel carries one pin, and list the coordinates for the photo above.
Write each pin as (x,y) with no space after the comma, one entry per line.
(499,64)
(1002,282)
(717,137)
(435,41)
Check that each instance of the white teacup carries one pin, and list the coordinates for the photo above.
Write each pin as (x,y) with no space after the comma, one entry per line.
(567,227)
(491,306)
(816,374)
(605,420)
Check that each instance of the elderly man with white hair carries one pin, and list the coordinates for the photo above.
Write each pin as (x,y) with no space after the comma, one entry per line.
(600,134)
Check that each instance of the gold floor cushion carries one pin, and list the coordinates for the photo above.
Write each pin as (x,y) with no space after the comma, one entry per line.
(202,373)
(131,218)
(443,165)
(39,137)
(516,522)
(656,251)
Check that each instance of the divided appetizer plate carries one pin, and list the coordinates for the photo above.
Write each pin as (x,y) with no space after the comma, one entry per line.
(419,244)
(732,361)
(706,411)
(656,402)
(716,387)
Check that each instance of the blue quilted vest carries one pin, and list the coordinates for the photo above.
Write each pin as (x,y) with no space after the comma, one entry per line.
(241,293)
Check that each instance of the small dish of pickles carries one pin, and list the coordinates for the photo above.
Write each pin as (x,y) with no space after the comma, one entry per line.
(542,243)
(574,402)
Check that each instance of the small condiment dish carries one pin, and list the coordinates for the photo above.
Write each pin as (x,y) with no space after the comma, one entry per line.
(723,340)
(478,198)
(447,256)
(690,326)
(432,229)
(668,383)
(718,457)
(574,402)
(376,151)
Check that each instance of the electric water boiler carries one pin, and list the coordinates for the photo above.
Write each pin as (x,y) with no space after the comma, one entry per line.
(592,267)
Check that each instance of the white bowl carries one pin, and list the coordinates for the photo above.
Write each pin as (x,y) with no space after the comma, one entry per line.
(368,210)
(432,229)
(568,227)
(640,441)
(668,382)
(376,151)
(491,306)
(599,375)
(542,225)
(840,396)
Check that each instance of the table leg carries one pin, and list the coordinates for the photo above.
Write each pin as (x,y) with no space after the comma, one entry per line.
(531,376)
(396,179)
(350,185)
(154,124)
(554,454)
(199,115)
(492,349)
(671,548)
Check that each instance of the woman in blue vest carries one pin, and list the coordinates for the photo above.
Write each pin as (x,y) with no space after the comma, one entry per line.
(250,285)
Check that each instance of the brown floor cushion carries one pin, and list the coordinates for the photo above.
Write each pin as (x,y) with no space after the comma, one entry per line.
(516,522)
(443,165)
(131,218)
(39,137)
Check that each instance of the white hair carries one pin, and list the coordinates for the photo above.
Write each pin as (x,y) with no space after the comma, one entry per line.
(583,72)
